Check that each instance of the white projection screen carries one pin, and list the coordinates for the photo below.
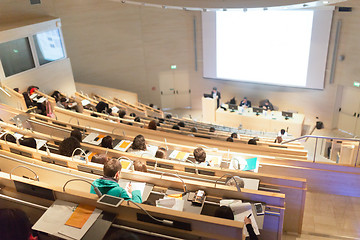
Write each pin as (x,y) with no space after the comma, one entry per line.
(283,47)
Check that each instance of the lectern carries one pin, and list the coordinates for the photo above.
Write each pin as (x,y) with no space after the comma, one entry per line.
(209,109)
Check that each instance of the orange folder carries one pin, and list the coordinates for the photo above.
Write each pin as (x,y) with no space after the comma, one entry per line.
(79,217)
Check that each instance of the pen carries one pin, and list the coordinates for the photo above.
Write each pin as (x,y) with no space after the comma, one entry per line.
(249,215)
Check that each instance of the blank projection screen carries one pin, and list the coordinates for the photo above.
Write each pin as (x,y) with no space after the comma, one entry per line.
(284,47)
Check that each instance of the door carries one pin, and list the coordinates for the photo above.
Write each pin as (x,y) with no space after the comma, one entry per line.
(349,111)
(174,89)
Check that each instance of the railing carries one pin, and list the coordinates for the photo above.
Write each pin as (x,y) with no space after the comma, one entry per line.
(334,148)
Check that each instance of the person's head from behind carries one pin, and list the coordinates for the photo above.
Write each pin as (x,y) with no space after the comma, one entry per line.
(56,94)
(181,124)
(168,116)
(252,141)
(282,131)
(212,129)
(139,166)
(235,181)
(68,145)
(101,159)
(176,127)
(199,155)
(76,134)
(112,168)
(160,153)
(230,139)
(194,129)
(278,139)
(14,224)
(63,102)
(137,119)
(107,142)
(122,113)
(139,143)
(28,142)
(10,138)
(214,89)
(152,125)
(234,135)
(151,105)
(132,115)
(224,212)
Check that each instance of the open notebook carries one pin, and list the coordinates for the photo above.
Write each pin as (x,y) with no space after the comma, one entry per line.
(241,210)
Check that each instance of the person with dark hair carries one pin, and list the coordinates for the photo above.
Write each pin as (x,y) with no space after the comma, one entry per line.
(9,138)
(152,125)
(139,166)
(278,139)
(137,119)
(108,184)
(123,235)
(93,115)
(212,129)
(230,139)
(76,134)
(252,235)
(99,158)
(282,133)
(139,143)
(16,90)
(130,123)
(151,105)
(15,225)
(181,124)
(200,156)
(56,95)
(194,129)
(161,120)
(107,142)
(62,103)
(28,142)
(29,103)
(224,212)
(176,127)
(252,141)
(245,103)
(101,107)
(68,145)
(168,116)
(160,153)
(122,113)
(234,135)
(216,95)
(268,105)
(132,115)
(32,89)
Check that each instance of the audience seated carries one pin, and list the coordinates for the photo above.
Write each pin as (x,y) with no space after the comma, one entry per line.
(252,141)
(132,115)
(15,225)
(9,138)
(68,145)
(137,119)
(139,166)
(102,107)
(282,133)
(152,125)
(176,127)
(122,113)
(28,142)
(99,158)
(278,139)
(161,153)
(212,129)
(168,116)
(139,146)
(200,156)
(62,103)
(107,142)
(224,212)
(108,184)
(234,135)
(252,235)
(237,182)
(76,134)
(230,139)
(194,129)
(181,124)
(56,95)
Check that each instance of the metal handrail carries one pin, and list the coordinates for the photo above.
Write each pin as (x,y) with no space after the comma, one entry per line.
(329,138)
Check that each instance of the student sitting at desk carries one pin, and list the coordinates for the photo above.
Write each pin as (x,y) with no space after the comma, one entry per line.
(139,146)
(76,134)
(152,125)
(267,105)
(68,145)
(108,184)
(200,156)
(107,142)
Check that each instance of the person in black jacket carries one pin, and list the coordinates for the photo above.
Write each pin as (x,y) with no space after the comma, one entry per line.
(245,103)
(252,235)
(216,95)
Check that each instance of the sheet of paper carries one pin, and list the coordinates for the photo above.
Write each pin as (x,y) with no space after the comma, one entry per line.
(152,149)
(179,155)
(125,164)
(40,143)
(123,145)
(85,102)
(17,135)
(213,160)
(41,100)
(115,109)
(135,186)
(78,233)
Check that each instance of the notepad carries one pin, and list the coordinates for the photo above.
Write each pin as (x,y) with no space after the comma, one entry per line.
(85,102)
(241,210)
(125,164)
(40,143)
(94,138)
(252,164)
(123,145)
(179,155)
(134,185)
(79,217)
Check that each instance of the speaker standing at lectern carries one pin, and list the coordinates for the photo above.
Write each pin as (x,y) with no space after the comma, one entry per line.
(216,95)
